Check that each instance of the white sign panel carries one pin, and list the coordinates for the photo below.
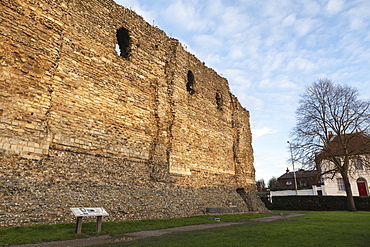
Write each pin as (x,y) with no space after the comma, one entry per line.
(89,212)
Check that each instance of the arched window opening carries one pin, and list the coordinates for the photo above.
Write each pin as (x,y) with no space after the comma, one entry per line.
(219,101)
(123,40)
(191,83)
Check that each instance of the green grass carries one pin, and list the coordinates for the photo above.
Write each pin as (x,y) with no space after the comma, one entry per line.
(44,233)
(313,229)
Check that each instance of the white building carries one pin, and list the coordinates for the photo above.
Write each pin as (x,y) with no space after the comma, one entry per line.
(359,179)
(358,148)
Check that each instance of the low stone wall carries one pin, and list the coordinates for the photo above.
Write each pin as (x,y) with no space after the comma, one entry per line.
(41,192)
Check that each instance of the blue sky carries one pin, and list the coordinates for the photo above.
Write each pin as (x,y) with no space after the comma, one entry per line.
(269,51)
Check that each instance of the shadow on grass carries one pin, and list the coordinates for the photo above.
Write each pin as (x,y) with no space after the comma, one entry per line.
(45,233)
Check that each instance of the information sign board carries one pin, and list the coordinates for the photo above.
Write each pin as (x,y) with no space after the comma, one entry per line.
(79,212)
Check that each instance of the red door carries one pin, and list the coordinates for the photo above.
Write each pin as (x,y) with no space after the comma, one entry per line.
(362,189)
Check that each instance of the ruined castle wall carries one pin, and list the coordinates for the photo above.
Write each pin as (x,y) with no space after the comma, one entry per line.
(82,126)
(203,128)
(70,76)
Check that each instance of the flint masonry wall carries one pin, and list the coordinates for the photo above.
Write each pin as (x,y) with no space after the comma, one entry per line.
(149,134)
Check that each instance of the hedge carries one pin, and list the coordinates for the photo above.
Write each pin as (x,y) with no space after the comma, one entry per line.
(315,203)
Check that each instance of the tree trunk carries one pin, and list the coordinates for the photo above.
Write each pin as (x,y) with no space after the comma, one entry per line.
(350,200)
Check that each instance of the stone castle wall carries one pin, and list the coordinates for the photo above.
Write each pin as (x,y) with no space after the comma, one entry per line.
(151,133)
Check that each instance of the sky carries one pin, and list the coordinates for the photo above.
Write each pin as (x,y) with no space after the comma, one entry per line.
(269,51)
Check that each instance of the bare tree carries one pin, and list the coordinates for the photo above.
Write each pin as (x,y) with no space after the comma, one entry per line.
(330,110)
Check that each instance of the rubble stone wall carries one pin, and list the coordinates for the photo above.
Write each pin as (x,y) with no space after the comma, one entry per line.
(147,132)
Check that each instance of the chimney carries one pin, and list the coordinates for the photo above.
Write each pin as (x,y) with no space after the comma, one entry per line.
(287,170)
(330,134)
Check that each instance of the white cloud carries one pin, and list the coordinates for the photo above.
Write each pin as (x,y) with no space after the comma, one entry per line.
(231,21)
(236,53)
(208,43)
(276,9)
(311,8)
(252,103)
(183,16)
(256,133)
(359,16)
(239,78)
(278,83)
(301,64)
(289,20)
(334,6)
(304,26)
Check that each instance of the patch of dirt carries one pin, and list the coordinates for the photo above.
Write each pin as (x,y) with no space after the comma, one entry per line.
(104,239)
(277,217)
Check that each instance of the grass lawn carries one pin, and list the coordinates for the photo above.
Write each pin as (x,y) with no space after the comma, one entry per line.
(314,229)
(44,233)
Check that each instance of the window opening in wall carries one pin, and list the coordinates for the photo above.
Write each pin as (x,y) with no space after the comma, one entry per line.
(340,183)
(123,42)
(359,164)
(303,184)
(191,83)
(219,101)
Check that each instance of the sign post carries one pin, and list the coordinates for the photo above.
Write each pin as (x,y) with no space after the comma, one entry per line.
(98,223)
(84,212)
(79,225)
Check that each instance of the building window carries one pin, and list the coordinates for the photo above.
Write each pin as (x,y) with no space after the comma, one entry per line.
(288,183)
(123,40)
(303,184)
(341,186)
(191,83)
(359,164)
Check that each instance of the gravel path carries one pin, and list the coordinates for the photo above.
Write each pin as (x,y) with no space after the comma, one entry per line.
(144,234)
